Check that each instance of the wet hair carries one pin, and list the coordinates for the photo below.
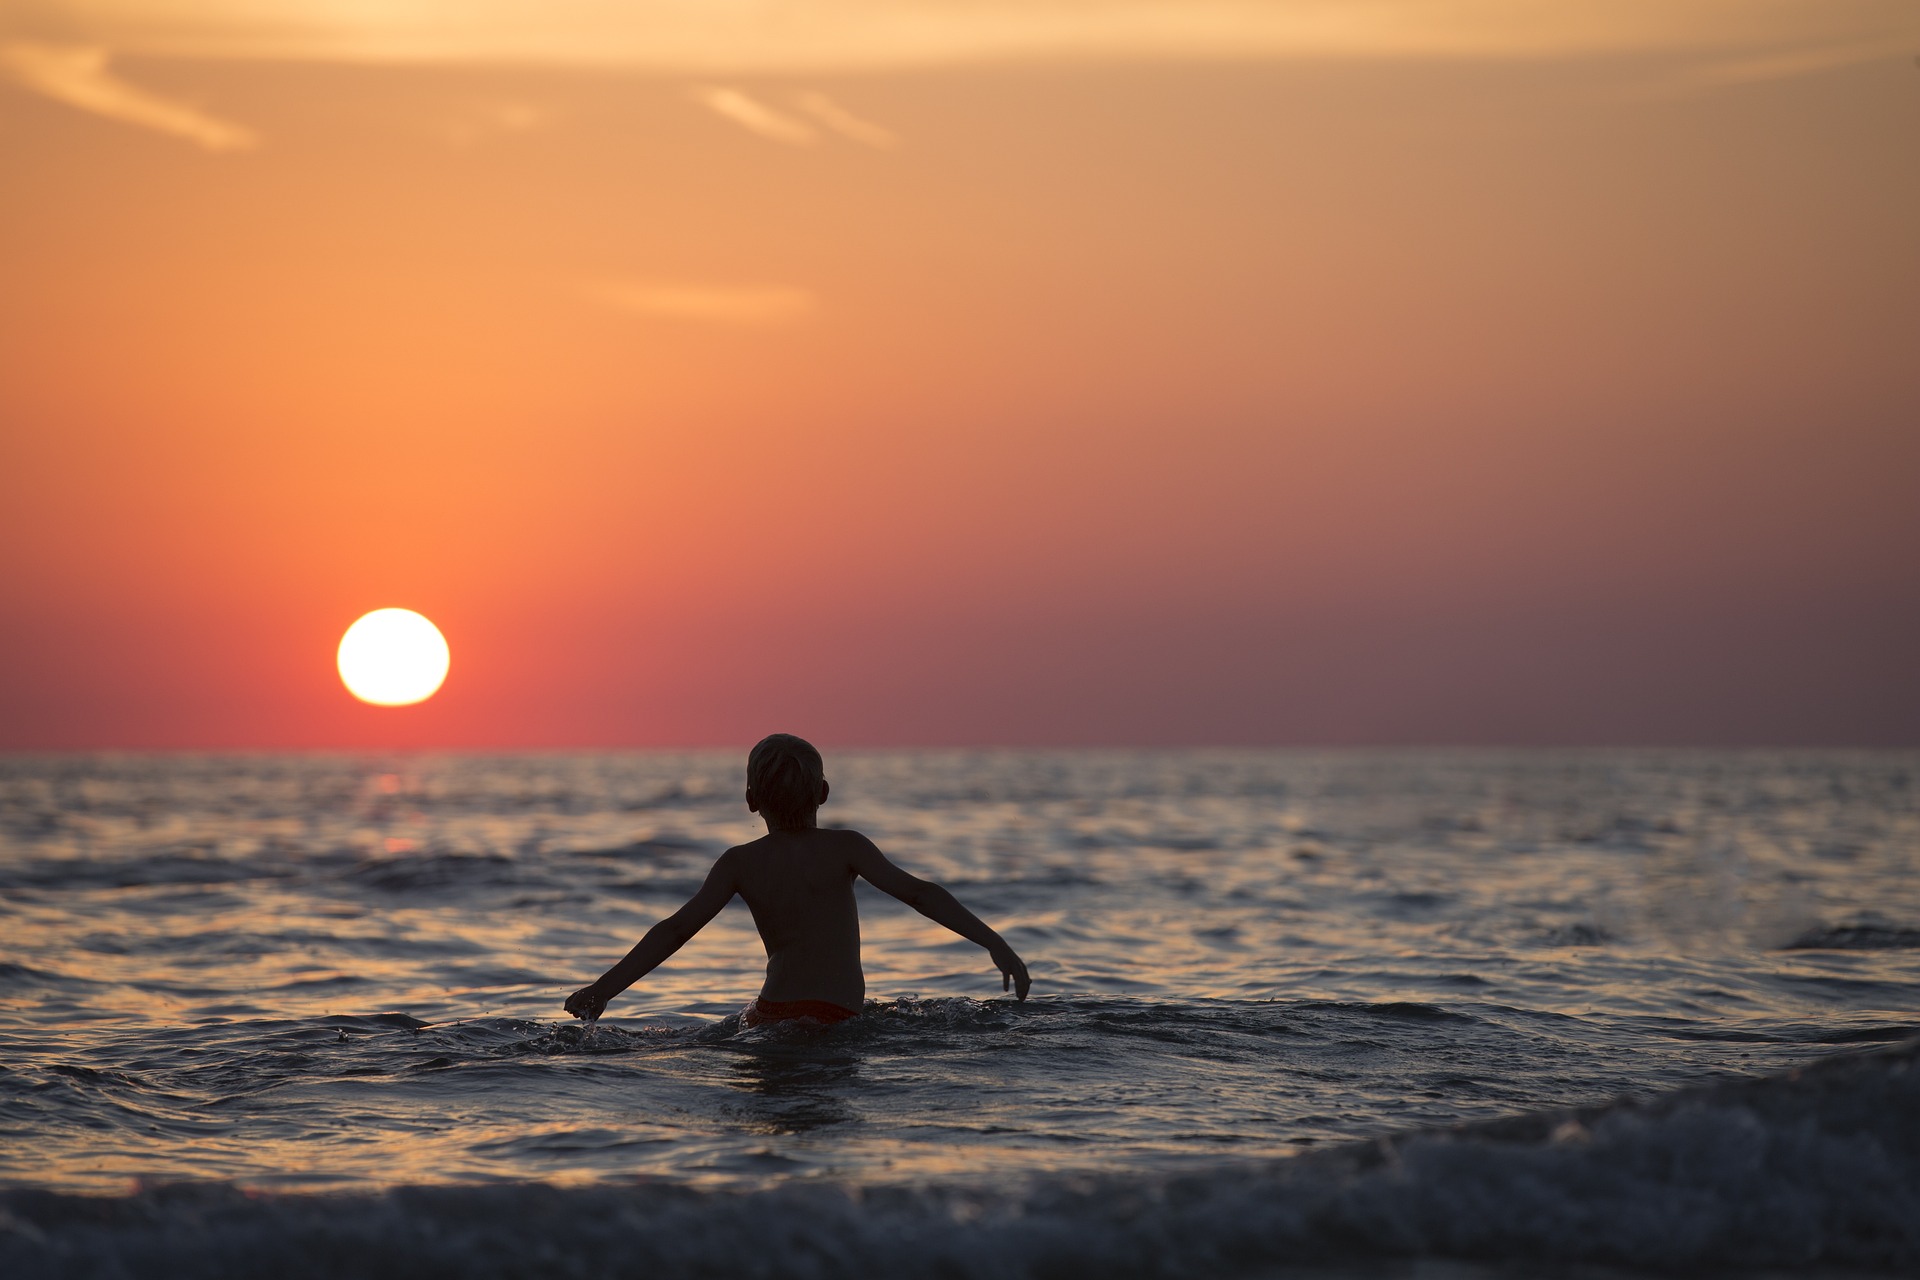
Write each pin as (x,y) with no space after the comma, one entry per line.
(785,774)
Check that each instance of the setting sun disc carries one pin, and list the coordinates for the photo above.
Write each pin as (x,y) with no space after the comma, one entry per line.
(393,658)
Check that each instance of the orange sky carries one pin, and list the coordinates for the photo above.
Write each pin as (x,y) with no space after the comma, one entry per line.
(1088,373)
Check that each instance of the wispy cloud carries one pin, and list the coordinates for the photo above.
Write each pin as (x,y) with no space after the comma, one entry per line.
(471,123)
(845,123)
(1798,62)
(755,116)
(775,125)
(759,307)
(79,75)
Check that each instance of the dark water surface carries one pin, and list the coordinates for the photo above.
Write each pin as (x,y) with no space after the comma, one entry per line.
(305,973)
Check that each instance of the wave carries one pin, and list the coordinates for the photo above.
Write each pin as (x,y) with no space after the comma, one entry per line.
(183,868)
(1819,1167)
(1859,936)
(649,867)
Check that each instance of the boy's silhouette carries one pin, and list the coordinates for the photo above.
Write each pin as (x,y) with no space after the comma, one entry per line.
(798,881)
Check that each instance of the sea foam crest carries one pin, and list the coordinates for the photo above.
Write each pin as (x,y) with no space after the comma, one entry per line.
(1821,1166)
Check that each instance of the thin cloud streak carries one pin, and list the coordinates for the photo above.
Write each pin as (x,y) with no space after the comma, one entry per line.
(79,76)
(470,124)
(1802,62)
(740,36)
(749,307)
(846,124)
(755,116)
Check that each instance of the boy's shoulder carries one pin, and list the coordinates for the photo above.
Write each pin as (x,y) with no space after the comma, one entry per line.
(822,838)
(848,840)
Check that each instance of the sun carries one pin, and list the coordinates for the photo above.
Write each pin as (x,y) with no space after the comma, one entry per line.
(393,658)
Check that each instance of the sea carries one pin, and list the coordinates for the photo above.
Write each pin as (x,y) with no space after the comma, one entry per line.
(1436,1013)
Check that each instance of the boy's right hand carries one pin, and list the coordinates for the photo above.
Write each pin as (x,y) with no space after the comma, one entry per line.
(1013,971)
(586,1003)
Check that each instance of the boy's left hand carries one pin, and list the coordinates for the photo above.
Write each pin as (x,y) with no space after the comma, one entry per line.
(1013,971)
(586,1003)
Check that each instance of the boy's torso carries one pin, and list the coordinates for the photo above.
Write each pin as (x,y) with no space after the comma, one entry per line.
(799,886)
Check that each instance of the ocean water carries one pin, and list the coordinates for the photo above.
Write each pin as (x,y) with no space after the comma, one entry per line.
(1332,1011)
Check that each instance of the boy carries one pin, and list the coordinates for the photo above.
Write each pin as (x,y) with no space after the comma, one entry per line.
(798,881)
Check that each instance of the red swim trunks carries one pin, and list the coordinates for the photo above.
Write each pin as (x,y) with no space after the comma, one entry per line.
(761,1012)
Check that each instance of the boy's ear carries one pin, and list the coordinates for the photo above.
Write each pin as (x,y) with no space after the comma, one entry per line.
(824,790)
(751,806)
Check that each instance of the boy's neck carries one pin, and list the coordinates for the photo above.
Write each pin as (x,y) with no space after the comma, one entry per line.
(809,823)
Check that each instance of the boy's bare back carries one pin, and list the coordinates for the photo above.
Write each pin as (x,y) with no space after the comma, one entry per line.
(799,886)
(798,882)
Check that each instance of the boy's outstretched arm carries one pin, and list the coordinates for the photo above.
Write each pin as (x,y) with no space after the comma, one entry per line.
(660,942)
(941,907)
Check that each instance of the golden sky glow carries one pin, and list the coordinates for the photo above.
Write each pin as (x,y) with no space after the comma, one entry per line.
(1053,372)
(841,35)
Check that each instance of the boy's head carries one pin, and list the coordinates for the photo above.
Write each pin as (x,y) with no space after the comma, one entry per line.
(786,780)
